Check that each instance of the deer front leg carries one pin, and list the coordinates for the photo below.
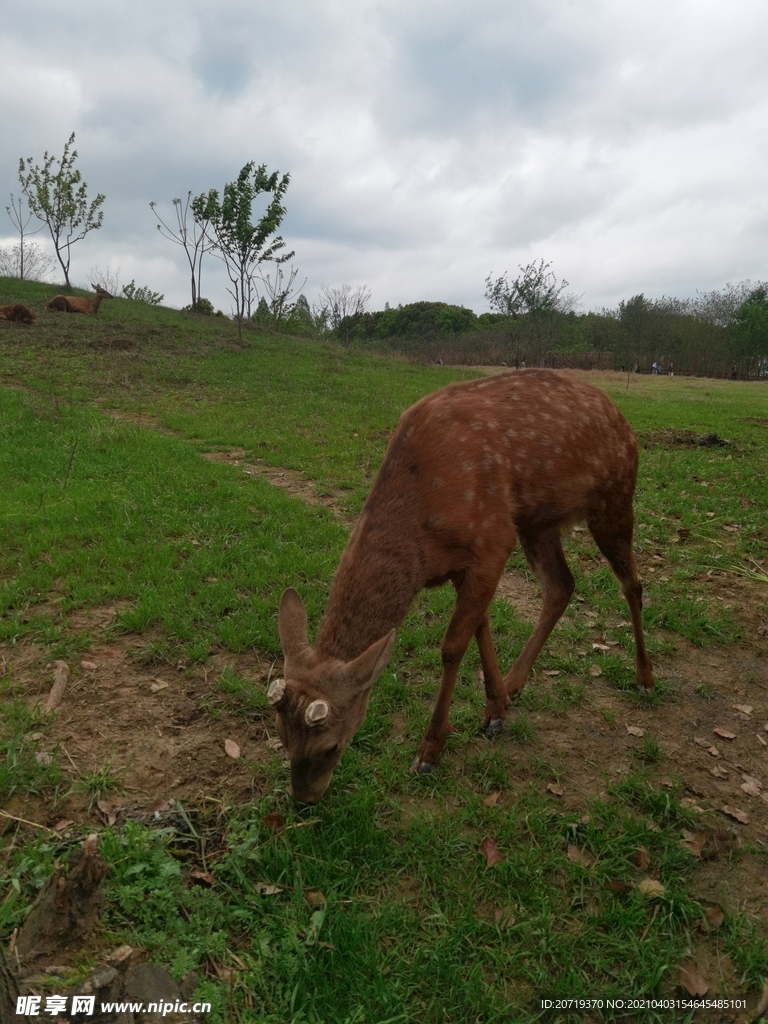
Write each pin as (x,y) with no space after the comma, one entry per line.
(472,602)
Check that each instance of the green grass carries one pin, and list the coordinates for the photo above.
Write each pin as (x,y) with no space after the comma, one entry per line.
(195,554)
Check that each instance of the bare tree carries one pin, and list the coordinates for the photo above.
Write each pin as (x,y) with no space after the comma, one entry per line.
(280,293)
(27,258)
(59,198)
(193,238)
(342,307)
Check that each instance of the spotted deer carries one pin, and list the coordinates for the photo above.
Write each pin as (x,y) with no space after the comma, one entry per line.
(77,303)
(468,471)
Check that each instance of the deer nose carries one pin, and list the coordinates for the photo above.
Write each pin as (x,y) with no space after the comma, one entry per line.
(304,798)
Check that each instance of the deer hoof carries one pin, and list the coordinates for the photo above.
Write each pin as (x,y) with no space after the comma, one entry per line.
(419,767)
(492,727)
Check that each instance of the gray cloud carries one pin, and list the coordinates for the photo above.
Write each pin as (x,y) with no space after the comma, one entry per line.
(428,143)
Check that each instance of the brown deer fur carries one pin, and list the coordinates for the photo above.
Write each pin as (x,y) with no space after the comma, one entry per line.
(78,304)
(469,470)
(19,313)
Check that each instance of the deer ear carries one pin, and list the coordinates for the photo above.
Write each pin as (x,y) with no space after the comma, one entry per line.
(292,623)
(363,672)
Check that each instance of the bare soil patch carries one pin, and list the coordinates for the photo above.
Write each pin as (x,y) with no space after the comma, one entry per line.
(160,730)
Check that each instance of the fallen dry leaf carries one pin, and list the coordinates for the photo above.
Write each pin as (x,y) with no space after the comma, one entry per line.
(504,917)
(683,535)
(745,709)
(273,743)
(595,670)
(691,980)
(751,787)
(203,877)
(578,856)
(314,898)
(60,677)
(761,741)
(43,758)
(714,915)
(694,842)
(109,815)
(551,672)
(267,890)
(614,885)
(731,528)
(713,751)
(724,734)
(490,851)
(273,821)
(650,887)
(643,858)
(737,813)
(158,685)
(667,782)
(634,730)
(555,788)
(600,647)
(63,824)
(492,799)
(88,666)
(719,772)
(701,741)
(232,749)
(762,1006)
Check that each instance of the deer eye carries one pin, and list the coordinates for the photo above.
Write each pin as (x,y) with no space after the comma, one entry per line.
(330,752)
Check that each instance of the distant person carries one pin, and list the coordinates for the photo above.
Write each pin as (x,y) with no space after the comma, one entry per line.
(671,371)
(522,365)
(732,374)
(439,362)
(637,367)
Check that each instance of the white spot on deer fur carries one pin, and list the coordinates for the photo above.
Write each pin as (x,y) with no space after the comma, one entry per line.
(468,496)
(466,466)
(437,482)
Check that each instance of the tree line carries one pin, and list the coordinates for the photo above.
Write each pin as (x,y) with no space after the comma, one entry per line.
(534,322)
(533,318)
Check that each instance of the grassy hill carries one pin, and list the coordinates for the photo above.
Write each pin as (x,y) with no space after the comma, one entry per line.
(162,484)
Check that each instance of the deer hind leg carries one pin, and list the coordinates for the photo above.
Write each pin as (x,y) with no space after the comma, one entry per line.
(613,535)
(495,694)
(473,595)
(543,550)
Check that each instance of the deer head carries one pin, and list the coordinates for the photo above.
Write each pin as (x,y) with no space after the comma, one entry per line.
(321,702)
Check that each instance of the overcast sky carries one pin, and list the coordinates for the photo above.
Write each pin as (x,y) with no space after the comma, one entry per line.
(429,143)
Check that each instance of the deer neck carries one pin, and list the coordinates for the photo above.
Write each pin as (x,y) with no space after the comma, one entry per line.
(95,303)
(371,593)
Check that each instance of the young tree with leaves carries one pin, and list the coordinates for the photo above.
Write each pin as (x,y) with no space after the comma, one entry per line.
(58,196)
(193,238)
(533,298)
(241,244)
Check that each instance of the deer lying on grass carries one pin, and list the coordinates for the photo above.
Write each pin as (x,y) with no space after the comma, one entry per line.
(78,304)
(470,469)
(18,313)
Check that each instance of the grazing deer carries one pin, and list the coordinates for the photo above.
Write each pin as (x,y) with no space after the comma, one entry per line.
(470,469)
(77,304)
(19,313)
